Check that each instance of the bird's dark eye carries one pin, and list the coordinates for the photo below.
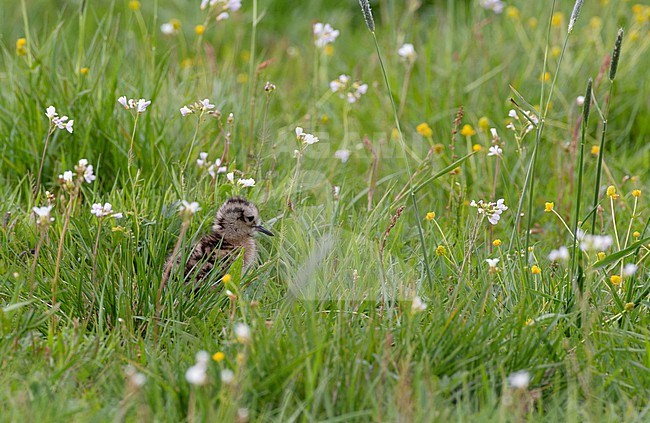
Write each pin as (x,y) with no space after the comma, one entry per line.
(249,218)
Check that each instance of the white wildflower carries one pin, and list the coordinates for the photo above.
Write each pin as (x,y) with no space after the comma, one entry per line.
(50,112)
(42,214)
(519,380)
(561,254)
(246,183)
(629,269)
(139,105)
(197,374)
(242,333)
(227,376)
(418,305)
(496,6)
(202,161)
(188,209)
(495,150)
(491,210)
(324,34)
(342,155)
(580,100)
(492,262)
(407,52)
(186,111)
(231,177)
(100,210)
(222,16)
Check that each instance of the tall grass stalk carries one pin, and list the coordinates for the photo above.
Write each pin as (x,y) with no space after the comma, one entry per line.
(576,216)
(613,67)
(370,22)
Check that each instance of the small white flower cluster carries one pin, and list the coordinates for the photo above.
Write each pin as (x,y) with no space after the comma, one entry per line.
(243,333)
(42,215)
(491,210)
(100,210)
(241,182)
(60,122)
(519,380)
(492,263)
(417,305)
(138,105)
(135,378)
(495,150)
(172,27)
(348,89)
(594,242)
(530,118)
(201,106)
(342,155)
(630,269)
(496,6)
(561,254)
(198,373)
(324,34)
(223,7)
(213,168)
(407,53)
(304,137)
(84,173)
(187,209)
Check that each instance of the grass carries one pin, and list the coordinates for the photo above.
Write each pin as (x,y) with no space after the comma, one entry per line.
(334,336)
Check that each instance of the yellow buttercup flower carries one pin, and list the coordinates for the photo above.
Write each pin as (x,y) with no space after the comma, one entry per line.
(548,207)
(496,242)
(557,19)
(134,5)
(615,279)
(242,78)
(218,356)
(601,255)
(467,130)
(199,29)
(438,148)
(226,278)
(513,13)
(484,124)
(441,250)
(636,193)
(176,24)
(476,148)
(595,150)
(535,270)
(611,192)
(424,129)
(84,71)
(21,48)
(555,51)
(529,322)
(546,76)
(430,216)
(636,234)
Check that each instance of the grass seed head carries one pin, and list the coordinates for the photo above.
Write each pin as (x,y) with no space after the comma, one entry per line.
(616,54)
(367,14)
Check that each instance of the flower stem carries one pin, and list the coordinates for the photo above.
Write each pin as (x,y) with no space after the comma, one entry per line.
(40,168)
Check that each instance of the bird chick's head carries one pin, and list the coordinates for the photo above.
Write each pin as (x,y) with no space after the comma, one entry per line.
(238,219)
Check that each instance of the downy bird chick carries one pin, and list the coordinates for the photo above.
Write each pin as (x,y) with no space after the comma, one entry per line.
(236,222)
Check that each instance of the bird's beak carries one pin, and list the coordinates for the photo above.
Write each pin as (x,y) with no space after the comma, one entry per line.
(265,231)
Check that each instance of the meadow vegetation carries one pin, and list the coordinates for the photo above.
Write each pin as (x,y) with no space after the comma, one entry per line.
(458,191)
